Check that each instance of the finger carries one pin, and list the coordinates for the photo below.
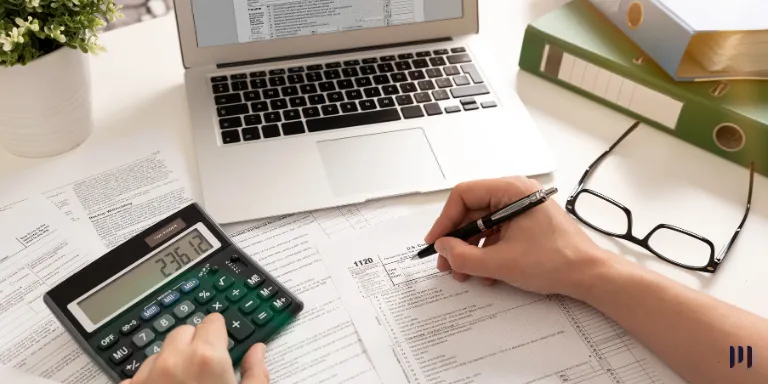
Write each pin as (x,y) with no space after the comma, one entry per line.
(146,367)
(467,259)
(491,240)
(253,369)
(126,381)
(483,196)
(178,340)
(460,277)
(488,281)
(212,331)
(442,264)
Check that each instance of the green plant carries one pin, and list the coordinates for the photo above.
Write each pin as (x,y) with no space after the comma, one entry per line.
(33,28)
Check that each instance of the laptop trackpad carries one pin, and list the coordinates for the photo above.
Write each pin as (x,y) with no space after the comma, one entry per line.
(400,160)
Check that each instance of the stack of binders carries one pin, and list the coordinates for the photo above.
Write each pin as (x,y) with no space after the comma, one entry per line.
(632,55)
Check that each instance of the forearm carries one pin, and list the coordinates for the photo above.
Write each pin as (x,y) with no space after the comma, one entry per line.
(689,330)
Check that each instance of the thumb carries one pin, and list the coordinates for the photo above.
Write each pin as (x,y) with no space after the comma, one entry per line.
(253,369)
(466,258)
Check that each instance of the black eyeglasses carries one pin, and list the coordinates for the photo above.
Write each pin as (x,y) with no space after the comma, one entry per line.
(670,243)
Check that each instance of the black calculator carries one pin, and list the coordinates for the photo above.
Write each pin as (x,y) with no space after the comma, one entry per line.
(121,307)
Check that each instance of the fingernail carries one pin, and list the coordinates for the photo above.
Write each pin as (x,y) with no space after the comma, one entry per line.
(262,348)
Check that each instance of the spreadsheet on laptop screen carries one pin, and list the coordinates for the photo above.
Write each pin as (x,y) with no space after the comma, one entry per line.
(242,21)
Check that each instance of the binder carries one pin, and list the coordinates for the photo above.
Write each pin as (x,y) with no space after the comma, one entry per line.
(697,40)
(580,50)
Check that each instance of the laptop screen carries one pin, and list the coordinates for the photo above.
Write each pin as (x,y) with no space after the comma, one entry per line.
(241,21)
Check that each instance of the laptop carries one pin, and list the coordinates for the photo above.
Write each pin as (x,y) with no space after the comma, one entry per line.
(299,105)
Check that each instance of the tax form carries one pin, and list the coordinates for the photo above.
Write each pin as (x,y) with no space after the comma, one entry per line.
(422,327)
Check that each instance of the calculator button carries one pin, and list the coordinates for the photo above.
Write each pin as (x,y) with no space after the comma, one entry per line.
(121,354)
(255,280)
(131,367)
(280,303)
(218,306)
(184,309)
(237,326)
(196,319)
(189,285)
(108,341)
(153,349)
(203,296)
(144,337)
(230,344)
(129,327)
(235,294)
(169,298)
(150,312)
(249,305)
(262,317)
(267,291)
(223,283)
(164,323)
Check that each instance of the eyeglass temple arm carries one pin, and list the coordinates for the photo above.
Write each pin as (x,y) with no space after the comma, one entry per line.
(727,247)
(604,155)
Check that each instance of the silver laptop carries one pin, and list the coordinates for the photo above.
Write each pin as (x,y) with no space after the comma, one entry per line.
(298,105)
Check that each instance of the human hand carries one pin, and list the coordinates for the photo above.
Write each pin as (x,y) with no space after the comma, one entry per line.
(199,355)
(543,251)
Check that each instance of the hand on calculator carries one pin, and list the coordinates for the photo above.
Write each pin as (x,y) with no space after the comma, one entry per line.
(199,355)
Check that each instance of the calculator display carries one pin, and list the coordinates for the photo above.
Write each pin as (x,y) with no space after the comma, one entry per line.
(161,267)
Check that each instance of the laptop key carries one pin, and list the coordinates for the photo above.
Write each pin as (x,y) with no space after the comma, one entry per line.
(399,77)
(332,74)
(417,75)
(291,115)
(362,82)
(335,97)
(433,109)
(367,105)
(277,72)
(438,61)
(330,109)
(349,107)
(452,109)
(426,85)
(238,76)
(438,52)
(278,104)
(372,92)
(296,70)
(422,97)
(251,134)
(390,90)
(229,98)
(220,88)
(489,104)
(405,56)
(471,70)
(277,81)
(370,60)
(408,88)
(231,122)
(271,93)
(458,50)
(294,128)
(270,131)
(474,90)
(239,86)
(308,89)
(252,95)
(350,72)
(219,79)
(317,99)
(353,120)
(451,70)
(232,110)
(404,100)
(471,107)
(461,80)
(315,67)
(423,54)
(345,84)
(289,91)
(352,63)
(458,59)
(388,58)
(298,102)
(434,73)
(385,68)
(333,65)
(230,136)
(412,112)
(259,106)
(420,63)
(296,79)
(258,74)
(314,77)
(441,94)
(354,94)
(444,83)
(368,70)
(381,79)
(310,112)
(327,86)
(403,66)
(386,102)
(258,83)
(468,100)
(272,117)
(251,120)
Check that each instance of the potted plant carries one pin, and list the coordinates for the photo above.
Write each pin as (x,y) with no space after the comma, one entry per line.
(45,92)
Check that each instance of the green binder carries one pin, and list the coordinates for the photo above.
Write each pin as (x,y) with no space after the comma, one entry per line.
(577,48)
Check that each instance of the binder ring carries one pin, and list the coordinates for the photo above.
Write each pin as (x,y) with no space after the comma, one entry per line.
(635,15)
(729,137)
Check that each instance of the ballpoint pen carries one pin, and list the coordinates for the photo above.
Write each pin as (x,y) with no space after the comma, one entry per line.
(493,220)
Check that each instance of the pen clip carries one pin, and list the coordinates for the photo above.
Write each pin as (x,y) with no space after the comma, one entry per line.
(540,195)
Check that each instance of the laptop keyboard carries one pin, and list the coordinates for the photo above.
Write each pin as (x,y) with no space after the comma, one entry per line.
(335,95)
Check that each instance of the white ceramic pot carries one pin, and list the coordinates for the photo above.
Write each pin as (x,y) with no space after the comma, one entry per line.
(45,106)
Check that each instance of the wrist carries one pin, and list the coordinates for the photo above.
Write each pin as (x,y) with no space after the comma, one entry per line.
(594,277)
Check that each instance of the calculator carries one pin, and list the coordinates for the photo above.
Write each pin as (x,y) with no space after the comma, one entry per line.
(120,307)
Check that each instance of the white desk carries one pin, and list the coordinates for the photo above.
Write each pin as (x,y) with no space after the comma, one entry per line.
(138,85)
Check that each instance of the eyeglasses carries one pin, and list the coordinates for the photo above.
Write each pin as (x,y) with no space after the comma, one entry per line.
(670,243)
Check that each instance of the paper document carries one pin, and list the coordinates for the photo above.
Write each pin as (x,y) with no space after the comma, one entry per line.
(39,248)
(113,191)
(420,326)
(9,375)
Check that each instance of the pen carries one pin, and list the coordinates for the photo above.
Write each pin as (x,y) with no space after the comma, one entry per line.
(493,220)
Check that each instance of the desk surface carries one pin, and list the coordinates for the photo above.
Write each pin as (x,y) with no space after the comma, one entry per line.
(138,85)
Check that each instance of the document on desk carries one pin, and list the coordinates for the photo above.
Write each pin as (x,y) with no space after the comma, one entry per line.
(113,191)
(420,326)
(39,247)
